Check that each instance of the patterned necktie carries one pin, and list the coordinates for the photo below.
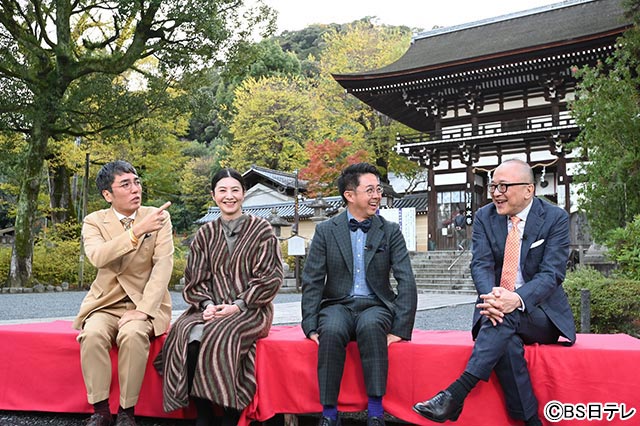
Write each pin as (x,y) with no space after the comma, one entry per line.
(364,225)
(126,222)
(511,256)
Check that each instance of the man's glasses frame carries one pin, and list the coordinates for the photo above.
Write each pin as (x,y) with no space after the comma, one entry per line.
(126,185)
(503,187)
(371,191)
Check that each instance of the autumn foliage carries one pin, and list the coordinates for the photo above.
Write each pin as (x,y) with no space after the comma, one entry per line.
(326,161)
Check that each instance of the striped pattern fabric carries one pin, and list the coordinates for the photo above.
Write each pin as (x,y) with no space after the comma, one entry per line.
(253,272)
(126,223)
(511,256)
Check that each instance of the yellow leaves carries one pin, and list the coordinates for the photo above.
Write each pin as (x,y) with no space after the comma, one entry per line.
(272,122)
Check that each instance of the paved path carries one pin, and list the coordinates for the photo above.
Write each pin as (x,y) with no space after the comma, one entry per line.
(289,313)
(43,307)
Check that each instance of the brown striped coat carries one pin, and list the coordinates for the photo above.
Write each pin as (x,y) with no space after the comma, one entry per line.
(225,372)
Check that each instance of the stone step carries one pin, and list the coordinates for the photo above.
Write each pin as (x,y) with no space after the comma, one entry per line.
(447,286)
(443,271)
(442,279)
(435,274)
(446,291)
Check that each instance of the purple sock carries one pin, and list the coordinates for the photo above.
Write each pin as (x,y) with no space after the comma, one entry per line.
(375,406)
(330,411)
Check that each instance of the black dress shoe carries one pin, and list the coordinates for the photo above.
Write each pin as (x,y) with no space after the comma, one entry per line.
(99,420)
(326,421)
(375,421)
(124,419)
(440,408)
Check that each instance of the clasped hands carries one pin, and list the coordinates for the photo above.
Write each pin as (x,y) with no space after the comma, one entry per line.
(219,311)
(498,303)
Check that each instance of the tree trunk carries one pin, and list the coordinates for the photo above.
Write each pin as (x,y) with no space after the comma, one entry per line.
(60,195)
(22,254)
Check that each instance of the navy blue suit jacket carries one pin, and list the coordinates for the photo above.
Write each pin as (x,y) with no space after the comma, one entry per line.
(543,260)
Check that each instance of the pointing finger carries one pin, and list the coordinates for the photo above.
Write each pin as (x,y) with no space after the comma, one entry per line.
(165,205)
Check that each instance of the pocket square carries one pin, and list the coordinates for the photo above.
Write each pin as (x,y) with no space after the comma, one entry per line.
(536,244)
(380,249)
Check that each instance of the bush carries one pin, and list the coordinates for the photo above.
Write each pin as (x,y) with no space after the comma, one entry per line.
(615,302)
(179,263)
(623,247)
(5,261)
(59,261)
(56,261)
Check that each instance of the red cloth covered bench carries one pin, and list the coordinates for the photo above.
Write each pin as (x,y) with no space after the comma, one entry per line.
(40,371)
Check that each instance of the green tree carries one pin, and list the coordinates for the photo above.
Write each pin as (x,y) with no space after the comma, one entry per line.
(62,66)
(213,100)
(607,109)
(360,47)
(195,187)
(274,119)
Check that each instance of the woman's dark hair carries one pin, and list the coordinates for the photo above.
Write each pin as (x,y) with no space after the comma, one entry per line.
(225,173)
(350,177)
(109,171)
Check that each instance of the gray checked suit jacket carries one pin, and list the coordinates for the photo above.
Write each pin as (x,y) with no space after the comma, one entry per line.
(328,272)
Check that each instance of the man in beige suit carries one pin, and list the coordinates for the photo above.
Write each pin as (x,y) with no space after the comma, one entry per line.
(128,303)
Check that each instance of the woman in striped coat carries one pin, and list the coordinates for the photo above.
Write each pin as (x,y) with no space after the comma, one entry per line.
(234,271)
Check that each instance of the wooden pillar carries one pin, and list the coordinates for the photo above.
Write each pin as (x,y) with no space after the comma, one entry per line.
(563,182)
(432,207)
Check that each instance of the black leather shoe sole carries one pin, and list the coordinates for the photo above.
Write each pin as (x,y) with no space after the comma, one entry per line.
(438,420)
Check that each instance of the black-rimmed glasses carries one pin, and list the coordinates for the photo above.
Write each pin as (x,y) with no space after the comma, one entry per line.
(503,187)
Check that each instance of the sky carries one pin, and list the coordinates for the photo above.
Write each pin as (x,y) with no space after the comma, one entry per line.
(298,14)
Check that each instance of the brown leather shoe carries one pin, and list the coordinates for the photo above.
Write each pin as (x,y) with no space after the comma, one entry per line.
(124,420)
(99,420)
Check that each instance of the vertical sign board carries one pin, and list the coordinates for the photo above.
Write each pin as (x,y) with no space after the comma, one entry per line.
(295,246)
(406,218)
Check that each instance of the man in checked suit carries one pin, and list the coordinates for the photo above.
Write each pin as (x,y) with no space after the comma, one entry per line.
(128,303)
(347,295)
(535,310)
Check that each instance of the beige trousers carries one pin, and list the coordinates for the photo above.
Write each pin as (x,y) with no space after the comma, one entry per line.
(99,332)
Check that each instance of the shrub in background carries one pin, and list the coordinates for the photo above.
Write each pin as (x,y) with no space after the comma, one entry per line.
(179,263)
(615,302)
(623,247)
(289,260)
(5,261)
(56,261)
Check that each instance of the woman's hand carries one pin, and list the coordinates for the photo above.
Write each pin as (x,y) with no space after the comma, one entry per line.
(219,311)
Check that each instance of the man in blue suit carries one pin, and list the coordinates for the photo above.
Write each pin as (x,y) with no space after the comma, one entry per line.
(534,310)
(347,294)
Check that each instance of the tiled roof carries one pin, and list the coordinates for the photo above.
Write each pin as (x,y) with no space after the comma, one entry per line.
(286,210)
(288,180)
(525,31)
(419,201)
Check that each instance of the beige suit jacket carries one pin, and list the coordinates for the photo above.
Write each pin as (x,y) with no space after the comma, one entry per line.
(141,272)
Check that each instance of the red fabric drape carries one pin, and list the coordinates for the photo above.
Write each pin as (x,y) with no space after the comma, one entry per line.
(40,371)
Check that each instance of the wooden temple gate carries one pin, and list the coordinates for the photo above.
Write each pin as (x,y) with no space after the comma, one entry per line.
(483,92)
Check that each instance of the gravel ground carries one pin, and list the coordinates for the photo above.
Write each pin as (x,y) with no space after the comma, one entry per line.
(65,304)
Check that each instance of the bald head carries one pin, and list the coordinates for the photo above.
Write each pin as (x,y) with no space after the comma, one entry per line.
(518,169)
